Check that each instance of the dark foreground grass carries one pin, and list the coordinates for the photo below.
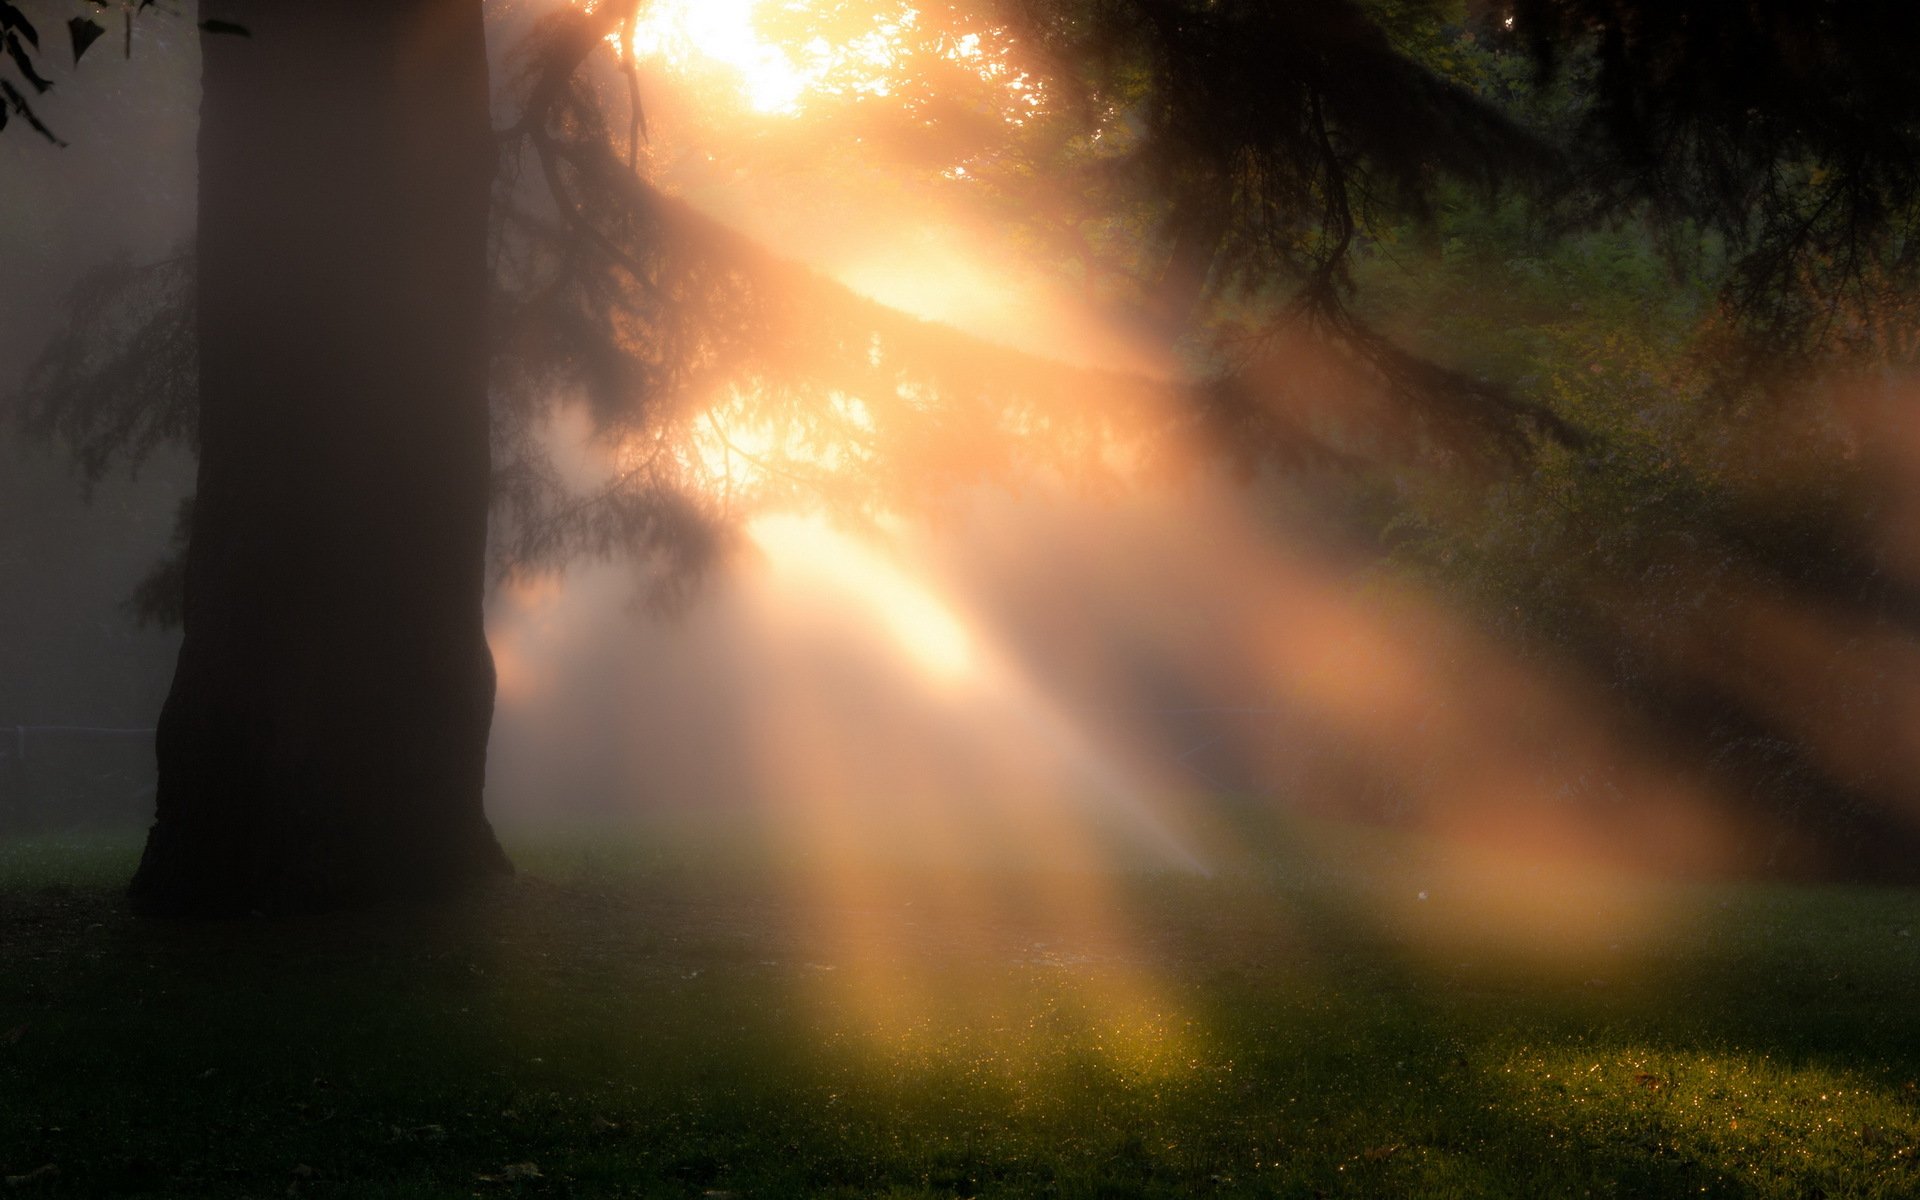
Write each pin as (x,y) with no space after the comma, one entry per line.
(689,1025)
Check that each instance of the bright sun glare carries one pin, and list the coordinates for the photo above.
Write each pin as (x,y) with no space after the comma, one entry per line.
(772,78)
(889,720)
(929,633)
(724,32)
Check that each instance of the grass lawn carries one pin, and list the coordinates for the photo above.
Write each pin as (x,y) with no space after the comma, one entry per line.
(676,1021)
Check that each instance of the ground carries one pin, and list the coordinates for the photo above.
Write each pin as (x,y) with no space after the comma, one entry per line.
(684,1021)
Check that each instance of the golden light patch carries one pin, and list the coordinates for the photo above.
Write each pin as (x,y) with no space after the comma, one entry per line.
(926,630)
(724,34)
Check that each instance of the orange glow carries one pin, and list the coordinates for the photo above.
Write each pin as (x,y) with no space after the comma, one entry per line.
(905,748)
(958,277)
(1377,708)
(723,34)
(773,77)
(956,819)
(926,630)
(917,240)
(520,633)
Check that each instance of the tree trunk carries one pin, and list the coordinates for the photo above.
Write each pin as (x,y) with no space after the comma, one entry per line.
(324,742)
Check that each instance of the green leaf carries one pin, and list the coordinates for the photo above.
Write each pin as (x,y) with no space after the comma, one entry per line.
(85,33)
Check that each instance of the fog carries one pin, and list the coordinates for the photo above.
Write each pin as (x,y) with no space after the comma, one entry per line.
(1122,597)
(72,553)
(1130,653)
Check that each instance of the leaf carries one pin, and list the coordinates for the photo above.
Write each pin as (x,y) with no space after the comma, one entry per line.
(85,33)
(12,18)
(24,62)
(215,25)
(20,105)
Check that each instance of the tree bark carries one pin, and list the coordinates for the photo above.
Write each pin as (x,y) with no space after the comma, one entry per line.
(324,742)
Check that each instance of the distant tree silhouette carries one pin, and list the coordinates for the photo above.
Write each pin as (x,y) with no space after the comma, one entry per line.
(1790,128)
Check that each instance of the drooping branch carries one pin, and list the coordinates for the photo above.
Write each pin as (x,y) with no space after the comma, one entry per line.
(1788,128)
(123,379)
(1270,144)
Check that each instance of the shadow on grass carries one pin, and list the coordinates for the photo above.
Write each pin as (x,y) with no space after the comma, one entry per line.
(674,1029)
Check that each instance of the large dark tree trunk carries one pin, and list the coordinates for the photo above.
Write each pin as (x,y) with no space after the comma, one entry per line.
(325,739)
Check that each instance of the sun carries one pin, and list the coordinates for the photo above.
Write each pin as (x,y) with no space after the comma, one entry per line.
(775,54)
(725,33)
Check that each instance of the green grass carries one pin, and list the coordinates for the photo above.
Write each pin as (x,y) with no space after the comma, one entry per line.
(685,1022)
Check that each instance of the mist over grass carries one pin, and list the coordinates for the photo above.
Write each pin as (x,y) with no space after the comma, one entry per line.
(672,1016)
(845,885)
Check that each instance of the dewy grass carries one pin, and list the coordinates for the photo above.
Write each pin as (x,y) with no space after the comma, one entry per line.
(683,1023)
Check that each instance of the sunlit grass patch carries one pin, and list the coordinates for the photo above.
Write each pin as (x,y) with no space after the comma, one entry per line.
(655,1019)
(1730,1122)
